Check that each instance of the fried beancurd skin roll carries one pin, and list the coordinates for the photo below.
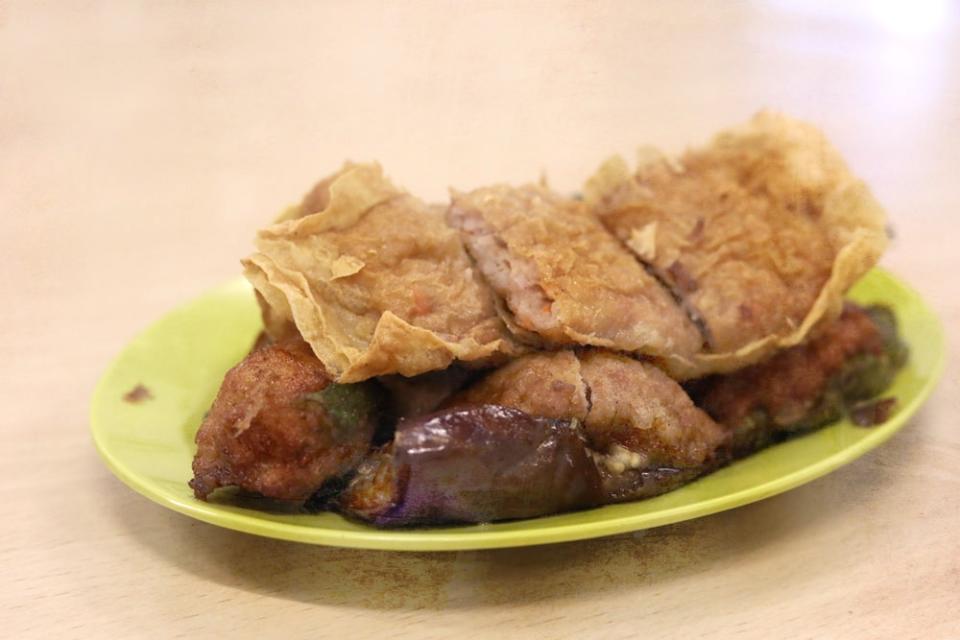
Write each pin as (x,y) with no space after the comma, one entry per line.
(474,464)
(760,233)
(563,279)
(810,385)
(375,282)
(280,428)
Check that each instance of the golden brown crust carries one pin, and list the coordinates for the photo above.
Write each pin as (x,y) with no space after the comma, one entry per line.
(263,434)
(787,386)
(541,384)
(760,233)
(376,283)
(564,277)
(637,406)
(621,401)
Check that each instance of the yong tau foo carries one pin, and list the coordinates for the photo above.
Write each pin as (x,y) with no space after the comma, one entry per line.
(516,352)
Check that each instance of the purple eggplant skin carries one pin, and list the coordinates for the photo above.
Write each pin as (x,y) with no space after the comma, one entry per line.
(639,484)
(475,464)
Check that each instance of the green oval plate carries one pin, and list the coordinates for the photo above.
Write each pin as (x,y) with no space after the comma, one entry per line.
(182,358)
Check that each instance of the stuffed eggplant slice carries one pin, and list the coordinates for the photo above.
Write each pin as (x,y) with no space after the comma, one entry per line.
(642,433)
(546,433)
(643,430)
(475,464)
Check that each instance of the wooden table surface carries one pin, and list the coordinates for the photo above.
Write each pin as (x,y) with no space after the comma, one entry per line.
(141,144)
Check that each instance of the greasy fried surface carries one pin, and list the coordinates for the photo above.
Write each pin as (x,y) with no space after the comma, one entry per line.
(376,283)
(760,233)
(565,278)
(278,427)
(475,464)
(786,388)
(542,384)
(621,402)
(637,406)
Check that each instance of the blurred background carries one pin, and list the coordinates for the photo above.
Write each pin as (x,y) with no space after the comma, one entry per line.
(143,143)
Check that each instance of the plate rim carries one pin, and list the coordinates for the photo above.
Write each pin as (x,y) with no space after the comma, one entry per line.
(446,540)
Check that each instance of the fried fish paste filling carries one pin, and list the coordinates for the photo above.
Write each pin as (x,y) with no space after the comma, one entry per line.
(646,432)
(375,282)
(280,428)
(759,233)
(563,278)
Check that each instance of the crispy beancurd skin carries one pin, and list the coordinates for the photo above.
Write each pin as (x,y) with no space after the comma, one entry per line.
(563,278)
(760,233)
(368,280)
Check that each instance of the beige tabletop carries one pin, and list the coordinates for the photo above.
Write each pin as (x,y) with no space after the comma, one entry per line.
(141,144)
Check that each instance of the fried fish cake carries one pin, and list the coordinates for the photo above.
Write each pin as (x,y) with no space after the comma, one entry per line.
(760,233)
(376,283)
(563,278)
(280,428)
